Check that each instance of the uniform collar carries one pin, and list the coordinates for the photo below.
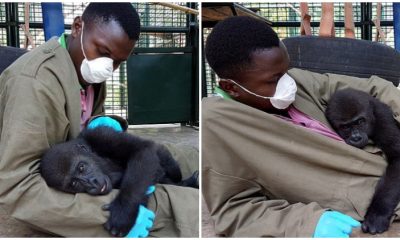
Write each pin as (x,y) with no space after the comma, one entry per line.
(62,41)
(218,91)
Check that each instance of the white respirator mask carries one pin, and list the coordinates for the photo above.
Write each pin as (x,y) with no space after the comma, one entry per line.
(97,70)
(285,92)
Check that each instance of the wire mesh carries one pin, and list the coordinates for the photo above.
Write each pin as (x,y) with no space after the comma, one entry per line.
(2,12)
(35,13)
(386,15)
(285,13)
(387,11)
(37,35)
(161,40)
(72,10)
(151,15)
(210,76)
(3,37)
(116,102)
(35,16)
(389,35)
(157,15)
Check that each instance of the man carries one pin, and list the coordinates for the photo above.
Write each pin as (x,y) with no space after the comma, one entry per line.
(46,97)
(272,165)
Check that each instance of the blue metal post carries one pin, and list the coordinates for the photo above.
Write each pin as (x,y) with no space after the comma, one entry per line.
(396,24)
(53,19)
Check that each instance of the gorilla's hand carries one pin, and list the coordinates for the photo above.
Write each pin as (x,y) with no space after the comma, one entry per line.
(375,222)
(119,223)
(121,214)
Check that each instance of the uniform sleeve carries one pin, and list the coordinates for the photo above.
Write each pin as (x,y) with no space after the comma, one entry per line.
(32,119)
(240,209)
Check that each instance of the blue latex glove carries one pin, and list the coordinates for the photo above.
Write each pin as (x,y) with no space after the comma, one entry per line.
(144,220)
(334,224)
(105,121)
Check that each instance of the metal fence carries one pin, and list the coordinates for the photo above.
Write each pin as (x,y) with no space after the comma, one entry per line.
(162,27)
(286,22)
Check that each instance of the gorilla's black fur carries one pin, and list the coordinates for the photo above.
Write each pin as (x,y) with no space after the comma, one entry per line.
(101,159)
(357,117)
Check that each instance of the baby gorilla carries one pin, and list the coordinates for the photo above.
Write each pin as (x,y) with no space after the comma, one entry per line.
(101,159)
(357,116)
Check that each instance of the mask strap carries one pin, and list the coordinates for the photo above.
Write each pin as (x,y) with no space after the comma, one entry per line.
(83,24)
(248,91)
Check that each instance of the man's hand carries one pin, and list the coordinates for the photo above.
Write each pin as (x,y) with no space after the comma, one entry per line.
(144,220)
(334,224)
(105,121)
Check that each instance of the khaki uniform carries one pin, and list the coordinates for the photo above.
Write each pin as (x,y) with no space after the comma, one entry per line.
(263,176)
(39,107)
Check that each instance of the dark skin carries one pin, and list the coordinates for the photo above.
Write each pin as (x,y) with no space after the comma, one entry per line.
(261,77)
(100,39)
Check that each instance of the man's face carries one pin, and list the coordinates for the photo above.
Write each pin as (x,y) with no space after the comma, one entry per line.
(261,77)
(99,40)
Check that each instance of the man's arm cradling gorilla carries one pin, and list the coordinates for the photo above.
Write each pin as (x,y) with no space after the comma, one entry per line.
(357,116)
(101,159)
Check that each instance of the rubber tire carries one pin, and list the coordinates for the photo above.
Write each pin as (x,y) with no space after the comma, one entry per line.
(353,57)
(8,55)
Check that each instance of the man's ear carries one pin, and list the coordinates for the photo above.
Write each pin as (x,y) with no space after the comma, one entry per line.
(76,27)
(229,87)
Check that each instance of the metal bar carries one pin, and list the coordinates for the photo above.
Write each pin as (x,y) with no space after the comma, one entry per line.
(163,50)
(366,20)
(122,80)
(53,19)
(178,7)
(194,36)
(165,29)
(337,24)
(203,70)
(396,25)
(143,29)
(12,24)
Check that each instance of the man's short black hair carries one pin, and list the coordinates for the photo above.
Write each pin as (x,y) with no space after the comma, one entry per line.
(232,41)
(123,13)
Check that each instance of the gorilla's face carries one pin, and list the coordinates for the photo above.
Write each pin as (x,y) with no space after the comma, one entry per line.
(355,132)
(73,167)
(86,176)
(351,116)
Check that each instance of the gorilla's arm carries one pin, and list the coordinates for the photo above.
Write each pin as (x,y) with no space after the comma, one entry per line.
(141,173)
(141,162)
(117,146)
(357,117)
(387,194)
(384,201)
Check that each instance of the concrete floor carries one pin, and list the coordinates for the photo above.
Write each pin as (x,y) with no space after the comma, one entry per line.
(185,136)
(174,134)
